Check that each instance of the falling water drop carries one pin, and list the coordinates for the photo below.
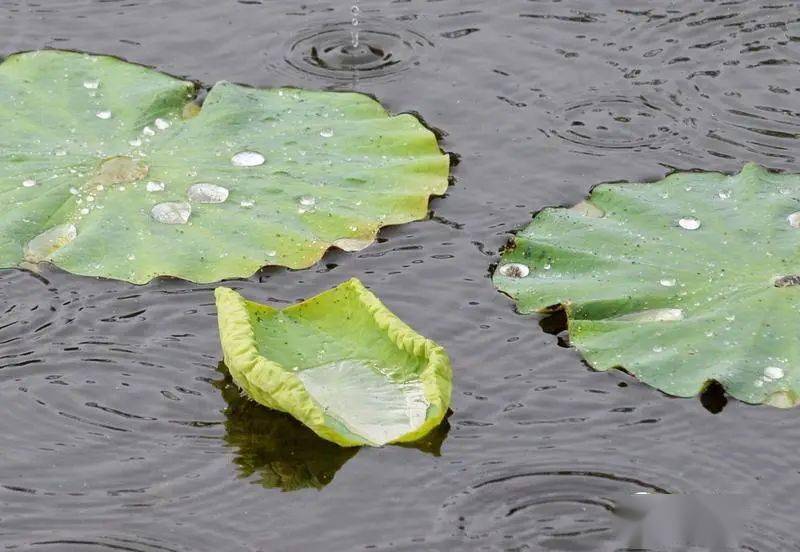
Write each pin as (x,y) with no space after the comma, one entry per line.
(171,212)
(355,11)
(203,192)
(247,159)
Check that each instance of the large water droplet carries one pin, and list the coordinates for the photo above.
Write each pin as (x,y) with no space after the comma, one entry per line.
(689,223)
(247,159)
(48,242)
(203,192)
(794,220)
(171,212)
(773,373)
(514,270)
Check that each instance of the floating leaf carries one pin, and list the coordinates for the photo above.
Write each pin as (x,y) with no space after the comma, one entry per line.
(692,279)
(110,169)
(339,362)
(280,451)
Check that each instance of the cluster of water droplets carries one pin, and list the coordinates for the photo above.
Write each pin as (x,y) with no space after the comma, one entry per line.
(179,212)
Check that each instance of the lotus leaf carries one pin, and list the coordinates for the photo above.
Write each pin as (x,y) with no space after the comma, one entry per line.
(686,281)
(112,169)
(340,362)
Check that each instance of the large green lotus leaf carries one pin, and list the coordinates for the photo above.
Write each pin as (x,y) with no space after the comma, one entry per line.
(340,362)
(692,279)
(109,169)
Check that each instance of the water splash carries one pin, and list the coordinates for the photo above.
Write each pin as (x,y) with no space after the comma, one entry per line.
(355,11)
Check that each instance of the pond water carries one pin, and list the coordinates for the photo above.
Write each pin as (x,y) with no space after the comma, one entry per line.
(119,431)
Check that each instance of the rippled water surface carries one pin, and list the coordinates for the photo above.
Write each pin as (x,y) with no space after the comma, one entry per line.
(119,430)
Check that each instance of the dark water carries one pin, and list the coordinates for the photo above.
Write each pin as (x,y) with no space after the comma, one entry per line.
(118,432)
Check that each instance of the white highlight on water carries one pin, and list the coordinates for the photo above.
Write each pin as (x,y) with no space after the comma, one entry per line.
(689,223)
(667,282)
(105,115)
(363,398)
(162,124)
(91,84)
(203,192)
(247,159)
(29,183)
(171,212)
(326,133)
(794,220)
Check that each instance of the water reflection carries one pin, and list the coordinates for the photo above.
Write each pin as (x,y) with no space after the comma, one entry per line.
(279,450)
(284,454)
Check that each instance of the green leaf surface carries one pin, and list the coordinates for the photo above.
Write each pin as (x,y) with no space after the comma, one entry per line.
(340,362)
(692,279)
(110,169)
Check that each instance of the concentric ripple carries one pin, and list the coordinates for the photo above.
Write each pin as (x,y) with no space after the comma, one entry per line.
(618,122)
(382,50)
(543,508)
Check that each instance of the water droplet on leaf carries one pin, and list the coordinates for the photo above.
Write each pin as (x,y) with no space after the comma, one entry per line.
(247,159)
(689,223)
(203,192)
(48,242)
(155,186)
(514,270)
(171,212)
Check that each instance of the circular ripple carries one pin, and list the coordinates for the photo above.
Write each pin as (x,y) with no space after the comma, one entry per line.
(618,122)
(329,52)
(557,509)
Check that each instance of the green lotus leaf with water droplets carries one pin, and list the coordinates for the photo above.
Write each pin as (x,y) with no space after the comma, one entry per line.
(340,362)
(681,282)
(110,169)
